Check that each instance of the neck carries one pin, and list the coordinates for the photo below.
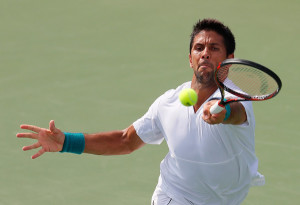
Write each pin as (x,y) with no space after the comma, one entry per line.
(204,91)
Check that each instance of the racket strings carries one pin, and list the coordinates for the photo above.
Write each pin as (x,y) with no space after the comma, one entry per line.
(247,80)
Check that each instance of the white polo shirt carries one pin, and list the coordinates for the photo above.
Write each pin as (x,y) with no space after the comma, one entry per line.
(206,164)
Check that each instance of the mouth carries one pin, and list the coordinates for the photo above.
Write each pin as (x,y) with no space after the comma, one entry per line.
(205,65)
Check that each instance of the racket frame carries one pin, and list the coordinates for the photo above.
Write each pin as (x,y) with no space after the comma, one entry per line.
(244,97)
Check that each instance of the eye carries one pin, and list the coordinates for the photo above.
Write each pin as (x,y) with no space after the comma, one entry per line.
(198,47)
(214,48)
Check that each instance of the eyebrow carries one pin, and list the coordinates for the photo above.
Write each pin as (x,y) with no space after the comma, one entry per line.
(215,44)
(211,44)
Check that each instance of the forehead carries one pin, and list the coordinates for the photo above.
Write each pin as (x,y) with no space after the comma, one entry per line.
(208,37)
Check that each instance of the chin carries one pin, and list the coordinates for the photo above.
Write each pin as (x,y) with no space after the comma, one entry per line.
(205,79)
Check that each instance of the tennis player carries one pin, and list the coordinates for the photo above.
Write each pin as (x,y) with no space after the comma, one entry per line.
(211,158)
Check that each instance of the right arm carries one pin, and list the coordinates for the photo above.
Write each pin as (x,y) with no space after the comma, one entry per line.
(105,143)
(113,143)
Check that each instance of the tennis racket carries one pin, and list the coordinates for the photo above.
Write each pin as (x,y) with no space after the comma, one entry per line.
(247,80)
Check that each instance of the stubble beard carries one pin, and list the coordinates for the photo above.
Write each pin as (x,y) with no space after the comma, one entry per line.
(205,79)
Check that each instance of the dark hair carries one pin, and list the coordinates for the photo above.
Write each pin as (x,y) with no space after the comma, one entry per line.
(218,27)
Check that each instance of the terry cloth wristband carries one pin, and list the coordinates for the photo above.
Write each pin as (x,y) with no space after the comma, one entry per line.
(228,110)
(74,143)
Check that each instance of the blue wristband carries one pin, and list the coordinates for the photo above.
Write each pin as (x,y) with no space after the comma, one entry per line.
(74,143)
(228,111)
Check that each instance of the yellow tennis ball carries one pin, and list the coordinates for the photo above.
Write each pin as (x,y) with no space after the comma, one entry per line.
(188,97)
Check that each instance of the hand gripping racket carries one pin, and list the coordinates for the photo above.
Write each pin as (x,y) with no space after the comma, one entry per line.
(247,80)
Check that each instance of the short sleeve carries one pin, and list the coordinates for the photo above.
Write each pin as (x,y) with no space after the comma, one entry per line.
(249,112)
(147,126)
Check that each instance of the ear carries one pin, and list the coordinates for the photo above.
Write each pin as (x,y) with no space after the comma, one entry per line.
(190,59)
(230,55)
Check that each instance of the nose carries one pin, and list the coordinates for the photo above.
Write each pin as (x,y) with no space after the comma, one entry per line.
(205,54)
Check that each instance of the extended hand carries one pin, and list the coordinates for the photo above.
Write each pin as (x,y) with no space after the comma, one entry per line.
(50,140)
(212,118)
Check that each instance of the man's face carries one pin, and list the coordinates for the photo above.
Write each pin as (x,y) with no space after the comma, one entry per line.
(207,52)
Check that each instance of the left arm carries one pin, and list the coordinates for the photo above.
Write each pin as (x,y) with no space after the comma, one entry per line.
(237,116)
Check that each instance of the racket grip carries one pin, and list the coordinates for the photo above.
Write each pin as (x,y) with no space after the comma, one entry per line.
(216,108)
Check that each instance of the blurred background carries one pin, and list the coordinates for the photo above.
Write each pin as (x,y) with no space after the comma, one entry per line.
(98,65)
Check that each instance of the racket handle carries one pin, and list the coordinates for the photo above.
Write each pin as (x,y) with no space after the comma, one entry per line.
(216,108)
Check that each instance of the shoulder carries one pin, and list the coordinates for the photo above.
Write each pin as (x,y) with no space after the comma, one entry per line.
(170,97)
(173,93)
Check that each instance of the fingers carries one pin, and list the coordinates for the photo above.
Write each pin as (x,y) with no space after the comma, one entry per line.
(27,135)
(52,127)
(39,153)
(212,118)
(206,114)
(31,127)
(46,139)
(33,146)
